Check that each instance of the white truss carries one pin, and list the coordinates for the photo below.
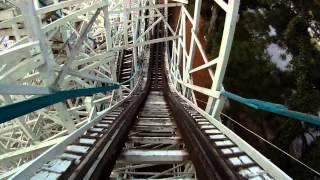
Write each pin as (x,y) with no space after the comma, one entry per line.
(181,59)
(65,45)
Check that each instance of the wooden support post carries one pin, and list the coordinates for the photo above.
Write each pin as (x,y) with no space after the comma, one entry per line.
(224,52)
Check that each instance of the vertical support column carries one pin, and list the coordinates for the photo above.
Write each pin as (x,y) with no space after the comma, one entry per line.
(224,52)
(166,18)
(195,29)
(32,23)
(151,11)
(177,69)
(14,26)
(166,28)
(173,62)
(135,33)
(174,54)
(125,27)
(174,68)
(107,25)
(36,4)
(88,101)
(184,53)
(65,34)
(112,63)
(15,31)
(134,49)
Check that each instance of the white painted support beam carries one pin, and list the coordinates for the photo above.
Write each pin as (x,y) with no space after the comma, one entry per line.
(155,140)
(192,51)
(166,14)
(13,55)
(13,32)
(226,43)
(186,12)
(164,19)
(60,5)
(19,70)
(89,77)
(204,66)
(135,31)
(35,33)
(23,152)
(203,54)
(224,52)
(125,16)
(153,41)
(107,25)
(75,49)
(6,14)
(172,169)
(8,174)
(154,156)
(184,52)
(222,4)
(47,71)
(23,90)
(206,91)
(181,1)
(195,30)
(148,29)
(105,57)
(9,22)
(150,7)
(180,49)
(74,15)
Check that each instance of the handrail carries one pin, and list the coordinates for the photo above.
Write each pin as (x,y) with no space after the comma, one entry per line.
(273,108)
